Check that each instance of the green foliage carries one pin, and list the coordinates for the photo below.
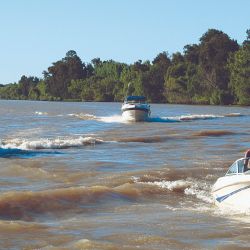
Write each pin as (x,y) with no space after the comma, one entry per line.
(153,81)
(214,52)
(26,84)
(60,74)
(214,71)
(201,75)
(75,88)
(176,82)
(10,91)
(239,66)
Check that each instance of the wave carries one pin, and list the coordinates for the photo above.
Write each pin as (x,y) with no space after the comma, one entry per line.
(21,226)
(198,117)
(91,244)
(19,146)
(213,133)
(84,116)
(193,187)
(106,119)
(26,204)
(178,185)
(19,153)
(40,113)
(144,139)
(184,118)
(233,115)
(9,153)
(163,119)
(120,119)
(112,119)
(192,117)
(58,143)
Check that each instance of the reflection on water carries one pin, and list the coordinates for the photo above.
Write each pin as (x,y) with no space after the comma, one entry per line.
(77,176)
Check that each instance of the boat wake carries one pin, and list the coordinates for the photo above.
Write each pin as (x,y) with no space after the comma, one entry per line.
(192,193)
(41,113)
(21,204)
(106,119)
(191,187)
(191,117)
(83,116)
(26,204)
(17,146)
(181,118)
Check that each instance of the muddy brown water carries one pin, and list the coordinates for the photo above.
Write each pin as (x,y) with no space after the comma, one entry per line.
(76,176)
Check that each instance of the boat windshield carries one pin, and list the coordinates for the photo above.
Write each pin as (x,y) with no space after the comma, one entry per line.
(135,99)
(239,167)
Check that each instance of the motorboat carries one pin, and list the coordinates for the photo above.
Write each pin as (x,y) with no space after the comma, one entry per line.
(135,108)
(233,189)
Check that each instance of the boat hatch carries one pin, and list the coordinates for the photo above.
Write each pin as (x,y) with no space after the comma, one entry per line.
(239,167)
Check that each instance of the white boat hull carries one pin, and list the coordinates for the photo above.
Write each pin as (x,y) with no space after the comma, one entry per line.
(135,115)
(232,191)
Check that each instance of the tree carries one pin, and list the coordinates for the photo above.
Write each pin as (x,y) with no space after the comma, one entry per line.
(239,66)
(10,91)
(214,52)
(26,84)
(60,74)
(132,81)
(75,88)
(153,80)
(176,82)
(214,71)
(191,53)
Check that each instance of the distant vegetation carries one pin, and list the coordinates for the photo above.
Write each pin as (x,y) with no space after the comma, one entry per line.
(215,71)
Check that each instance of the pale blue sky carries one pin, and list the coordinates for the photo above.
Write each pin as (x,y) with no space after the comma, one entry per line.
(35,33)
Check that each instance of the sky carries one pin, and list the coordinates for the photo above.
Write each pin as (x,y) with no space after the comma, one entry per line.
(36,33)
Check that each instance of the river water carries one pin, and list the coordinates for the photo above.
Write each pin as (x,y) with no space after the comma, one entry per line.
(76,176)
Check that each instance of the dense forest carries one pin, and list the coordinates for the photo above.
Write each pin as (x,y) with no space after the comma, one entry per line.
(214,71)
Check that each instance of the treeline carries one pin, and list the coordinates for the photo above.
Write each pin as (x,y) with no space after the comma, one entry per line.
(215,71)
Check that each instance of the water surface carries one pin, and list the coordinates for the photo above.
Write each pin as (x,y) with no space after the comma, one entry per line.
(76,176)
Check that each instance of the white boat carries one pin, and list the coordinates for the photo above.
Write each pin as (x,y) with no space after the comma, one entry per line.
(135,108)
(233,189)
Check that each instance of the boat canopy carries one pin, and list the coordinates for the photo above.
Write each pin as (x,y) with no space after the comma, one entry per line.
(135,98)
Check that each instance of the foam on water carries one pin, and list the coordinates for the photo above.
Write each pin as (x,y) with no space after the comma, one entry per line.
(111,119)
(86,194)
(193,117)
(178,185)
(40,113)
(198,189)
(163,119)
(106,119)
(47,143)
(201,190)
(232,211)
(83,116)
(182,118)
